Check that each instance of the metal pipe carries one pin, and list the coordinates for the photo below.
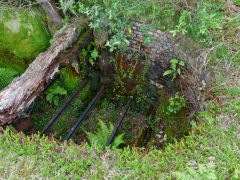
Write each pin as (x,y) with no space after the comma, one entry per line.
(60,111)
(119,122)
(84,115)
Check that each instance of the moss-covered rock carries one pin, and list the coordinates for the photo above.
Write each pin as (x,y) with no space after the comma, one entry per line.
(23,33)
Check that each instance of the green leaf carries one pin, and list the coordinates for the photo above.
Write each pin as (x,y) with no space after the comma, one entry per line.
(117,43)
(56,100)
(179,71)
(126,41)
(94,54)
(84,52)
(167,72)
(91,61)
(181,63)
(89,46)
(174,61)
(112,49)
(49,98)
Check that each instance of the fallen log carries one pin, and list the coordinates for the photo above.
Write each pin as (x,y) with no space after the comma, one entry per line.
(51,10)
(23,90)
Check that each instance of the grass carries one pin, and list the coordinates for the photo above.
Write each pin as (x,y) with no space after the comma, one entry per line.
(211,151)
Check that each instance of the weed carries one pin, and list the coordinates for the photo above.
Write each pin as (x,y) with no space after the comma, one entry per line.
(175,69)
(53,94)
(90,53)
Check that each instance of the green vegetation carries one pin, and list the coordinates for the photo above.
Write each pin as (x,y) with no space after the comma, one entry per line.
(174,69)
(8,60)
(22,33)
(92,52)
(6,76)
(214,151)
(53,94)
(209,147)
(102,135)
(70,78)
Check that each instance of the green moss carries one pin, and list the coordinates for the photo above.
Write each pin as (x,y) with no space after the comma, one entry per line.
(8,60)
(23,33)
(70,78)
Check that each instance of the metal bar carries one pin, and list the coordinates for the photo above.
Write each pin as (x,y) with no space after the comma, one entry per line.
(84,115)
(60,111)
(119,122)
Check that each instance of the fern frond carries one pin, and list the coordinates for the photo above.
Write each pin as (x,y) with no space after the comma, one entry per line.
(118,140)
(6,76)
(102,135)
(103,131)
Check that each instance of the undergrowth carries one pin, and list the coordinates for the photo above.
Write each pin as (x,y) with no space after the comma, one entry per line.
(207,153)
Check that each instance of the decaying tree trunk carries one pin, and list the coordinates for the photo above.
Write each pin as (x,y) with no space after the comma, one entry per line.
(51,11)
(23,90)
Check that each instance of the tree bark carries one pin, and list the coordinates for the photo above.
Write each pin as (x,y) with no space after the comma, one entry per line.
(23,90)
(51,11)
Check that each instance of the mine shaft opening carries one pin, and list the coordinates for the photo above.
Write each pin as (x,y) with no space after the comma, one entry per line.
(162,109)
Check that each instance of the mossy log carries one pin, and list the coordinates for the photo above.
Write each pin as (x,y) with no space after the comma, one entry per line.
(17,96)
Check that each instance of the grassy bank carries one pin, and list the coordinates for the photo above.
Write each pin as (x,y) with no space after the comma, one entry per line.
(211,151)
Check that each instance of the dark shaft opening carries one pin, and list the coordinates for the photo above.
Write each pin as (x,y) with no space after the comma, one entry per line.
(119,122)
(60,111)
(84,115)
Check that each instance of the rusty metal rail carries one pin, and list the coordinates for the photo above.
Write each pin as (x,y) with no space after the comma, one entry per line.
(60,111)
(119,121)
(84,115)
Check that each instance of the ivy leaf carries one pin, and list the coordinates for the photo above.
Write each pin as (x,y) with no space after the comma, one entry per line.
(167,72)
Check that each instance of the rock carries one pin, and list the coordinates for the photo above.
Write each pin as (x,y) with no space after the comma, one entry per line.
(24,125)
(100,37)
(211,158)
(23,33)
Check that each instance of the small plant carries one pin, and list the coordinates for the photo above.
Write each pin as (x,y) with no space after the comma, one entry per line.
(175,104)
(202,172)
(91,50)
(175,68)
(102,135)
(202,23)
(53,94)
